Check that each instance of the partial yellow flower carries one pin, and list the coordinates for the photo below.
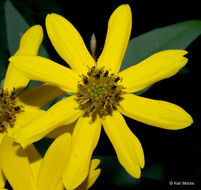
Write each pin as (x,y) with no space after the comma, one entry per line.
(19,106)
(101,94)
(16,167)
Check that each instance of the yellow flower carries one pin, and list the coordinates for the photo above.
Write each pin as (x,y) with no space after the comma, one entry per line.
(101,94)
(16,167)
(18,106)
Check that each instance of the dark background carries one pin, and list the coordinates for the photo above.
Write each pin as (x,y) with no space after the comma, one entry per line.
(177,152)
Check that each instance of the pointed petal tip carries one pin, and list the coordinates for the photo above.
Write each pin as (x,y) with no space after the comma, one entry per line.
(96,162)
(13,58)
(185,52)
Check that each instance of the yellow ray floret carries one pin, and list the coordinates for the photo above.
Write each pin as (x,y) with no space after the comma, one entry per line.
(101,94)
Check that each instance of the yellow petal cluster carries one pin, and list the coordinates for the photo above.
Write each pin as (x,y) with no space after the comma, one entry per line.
(23,166)
(58,79)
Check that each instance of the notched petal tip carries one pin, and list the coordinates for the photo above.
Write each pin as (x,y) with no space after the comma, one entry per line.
(53,18)
(124,7)
(122,10)
(50,19)
(49,15)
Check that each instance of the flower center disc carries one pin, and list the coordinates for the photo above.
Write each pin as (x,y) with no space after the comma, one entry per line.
(8,109)
(99,93)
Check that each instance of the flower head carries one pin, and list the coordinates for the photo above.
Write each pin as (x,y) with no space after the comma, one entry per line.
(8,109)
(17,105)
(101,94)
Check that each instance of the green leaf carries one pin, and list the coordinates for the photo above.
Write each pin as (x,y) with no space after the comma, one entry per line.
(3,64)
(16,25)
(153,171)
(4,54)
(1,83)
(115,174)
(176,36)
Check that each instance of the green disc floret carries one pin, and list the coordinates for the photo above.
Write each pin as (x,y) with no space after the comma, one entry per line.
(101,94)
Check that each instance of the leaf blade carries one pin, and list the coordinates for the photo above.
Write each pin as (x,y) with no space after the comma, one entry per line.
(16,25)
(176,36)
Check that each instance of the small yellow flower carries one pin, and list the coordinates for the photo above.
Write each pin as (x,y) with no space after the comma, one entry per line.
(17,169)
(18,106)
(101,94)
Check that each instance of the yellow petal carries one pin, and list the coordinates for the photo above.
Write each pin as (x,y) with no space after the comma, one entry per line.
(155,112)
(84,140)
(31,41)
(60,185)
(92,176)
(68,43)
(39,96)
(27,115)
(35,159)
(63,111)
(127,146)
(64,128)
(45,70)
(94,164)
(29,45)
(159,66)
(14,79)
(24,117)
(118,34)
(93,172)
(15,165)
(53,163)
(2,177)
